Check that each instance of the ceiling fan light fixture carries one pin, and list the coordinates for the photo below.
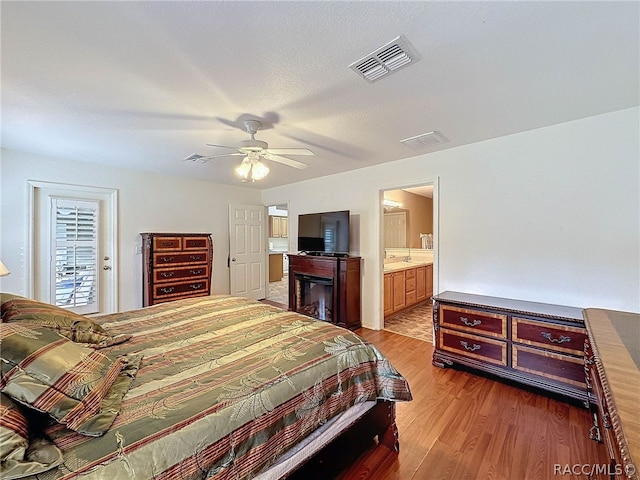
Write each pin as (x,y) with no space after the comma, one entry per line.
(244,168)
(251,168)
(259,171)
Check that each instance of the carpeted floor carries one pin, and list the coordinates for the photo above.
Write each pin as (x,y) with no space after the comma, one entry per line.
(415,322)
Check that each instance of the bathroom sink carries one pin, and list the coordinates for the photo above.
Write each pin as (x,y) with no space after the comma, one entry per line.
(394,266)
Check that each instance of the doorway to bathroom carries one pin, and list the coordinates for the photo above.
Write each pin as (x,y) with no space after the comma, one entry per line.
(408,233)
(278,244)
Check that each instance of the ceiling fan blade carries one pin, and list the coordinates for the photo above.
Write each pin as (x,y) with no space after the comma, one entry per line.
(195,158)
(221,146)
(226,155)
(290,151)
(285,160)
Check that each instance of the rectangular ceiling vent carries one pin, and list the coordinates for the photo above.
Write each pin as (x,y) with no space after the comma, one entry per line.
(385,60)
(425,140)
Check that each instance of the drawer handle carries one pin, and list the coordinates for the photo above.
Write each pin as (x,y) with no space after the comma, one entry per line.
(605,420)
(167,289)
(594,434)
(166,274)
(196,257)
(195,272)
(466,321)
(196,286)
(167,244)
(467,347)
(562,339)
(167,259)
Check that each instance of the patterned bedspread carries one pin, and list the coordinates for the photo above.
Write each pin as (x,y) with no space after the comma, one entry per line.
(225,387)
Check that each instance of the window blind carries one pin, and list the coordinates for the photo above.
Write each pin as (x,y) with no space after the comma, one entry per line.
(75,258)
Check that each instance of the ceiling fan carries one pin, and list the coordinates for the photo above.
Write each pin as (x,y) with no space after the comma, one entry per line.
(251,169)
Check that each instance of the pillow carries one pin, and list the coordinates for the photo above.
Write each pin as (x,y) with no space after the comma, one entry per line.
(18,457)
(75,327)
(80,387)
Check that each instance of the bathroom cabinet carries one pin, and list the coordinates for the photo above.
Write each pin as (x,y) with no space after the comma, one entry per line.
(406,287)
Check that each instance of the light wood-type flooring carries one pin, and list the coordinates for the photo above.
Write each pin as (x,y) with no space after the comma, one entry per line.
(465,426)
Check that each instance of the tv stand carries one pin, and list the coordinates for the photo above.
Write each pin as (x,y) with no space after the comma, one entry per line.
(325,254)
(342,273)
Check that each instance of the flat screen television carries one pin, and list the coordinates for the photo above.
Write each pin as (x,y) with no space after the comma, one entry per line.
(325,233)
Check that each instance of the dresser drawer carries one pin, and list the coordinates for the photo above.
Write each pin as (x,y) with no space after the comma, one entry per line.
(473,346)
(410,273)
(556,366)
(469,320)
(551,336)
(195,243)
(173,289)
(160,259)
(167,243)
(182,296)
(180,273)
(604,431)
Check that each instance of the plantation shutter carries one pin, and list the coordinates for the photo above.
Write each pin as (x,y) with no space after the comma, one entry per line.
(75,258)
(330,236)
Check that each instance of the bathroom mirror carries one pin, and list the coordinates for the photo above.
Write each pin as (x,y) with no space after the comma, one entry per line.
(408,218)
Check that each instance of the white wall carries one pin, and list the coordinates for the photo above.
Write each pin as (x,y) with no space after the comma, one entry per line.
(549,215)
(148,202)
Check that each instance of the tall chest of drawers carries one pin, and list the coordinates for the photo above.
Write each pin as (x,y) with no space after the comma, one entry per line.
(175,266)
(535,344)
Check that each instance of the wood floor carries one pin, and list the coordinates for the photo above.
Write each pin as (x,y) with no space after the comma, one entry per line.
(465,426)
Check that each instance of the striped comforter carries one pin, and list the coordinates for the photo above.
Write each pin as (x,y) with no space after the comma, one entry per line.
(225,387)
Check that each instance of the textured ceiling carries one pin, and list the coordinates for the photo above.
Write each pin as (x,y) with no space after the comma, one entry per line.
(144,84)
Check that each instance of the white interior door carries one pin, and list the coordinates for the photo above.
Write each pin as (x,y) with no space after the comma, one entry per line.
(395,230)
(247,251)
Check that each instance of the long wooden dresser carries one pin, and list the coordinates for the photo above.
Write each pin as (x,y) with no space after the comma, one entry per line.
(176,266)
(612,367)
(535,344)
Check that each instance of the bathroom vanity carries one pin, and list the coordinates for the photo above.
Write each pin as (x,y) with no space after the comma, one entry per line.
(406,284)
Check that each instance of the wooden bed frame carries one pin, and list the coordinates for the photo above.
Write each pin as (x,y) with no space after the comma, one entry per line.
(379,423)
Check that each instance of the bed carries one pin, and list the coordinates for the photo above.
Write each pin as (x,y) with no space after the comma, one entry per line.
(215,387)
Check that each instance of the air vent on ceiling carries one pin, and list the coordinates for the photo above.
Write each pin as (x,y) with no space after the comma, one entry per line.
(385,60)
(425,140)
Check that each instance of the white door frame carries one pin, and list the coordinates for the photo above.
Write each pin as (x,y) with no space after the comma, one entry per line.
(436,236)
(109,196)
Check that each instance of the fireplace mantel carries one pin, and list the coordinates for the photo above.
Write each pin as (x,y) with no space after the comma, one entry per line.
(345,275)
